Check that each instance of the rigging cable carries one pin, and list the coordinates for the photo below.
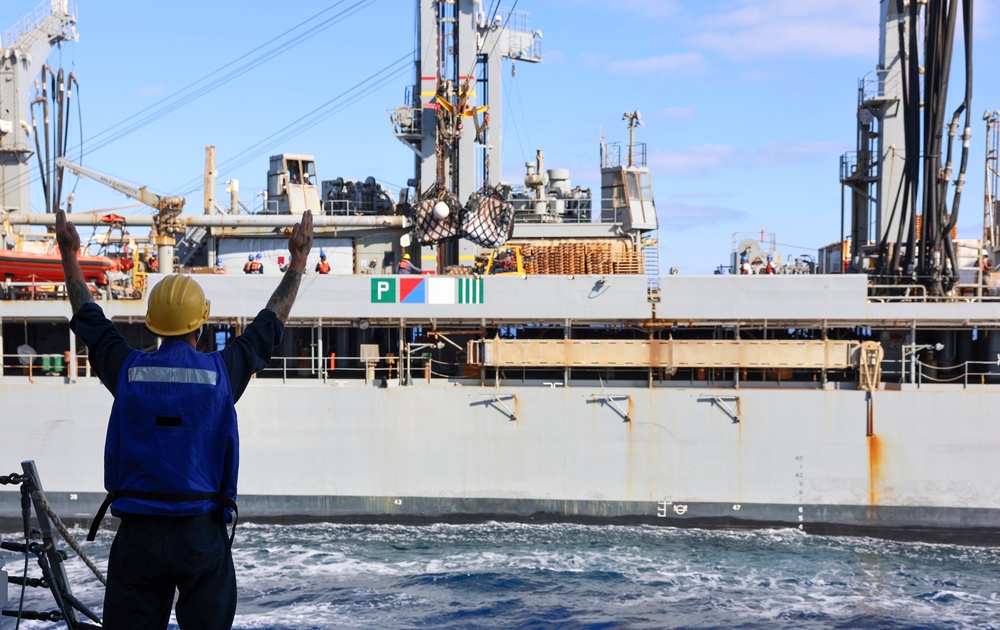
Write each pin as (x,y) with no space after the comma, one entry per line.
(513,119)
(165,105)
(306,121)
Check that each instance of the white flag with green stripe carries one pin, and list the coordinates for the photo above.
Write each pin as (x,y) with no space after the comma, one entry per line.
(470,290)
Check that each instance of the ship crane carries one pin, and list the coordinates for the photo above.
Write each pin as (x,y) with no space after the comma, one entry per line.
(165,224)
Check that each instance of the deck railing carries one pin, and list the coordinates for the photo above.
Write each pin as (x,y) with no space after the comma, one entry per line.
(340,370)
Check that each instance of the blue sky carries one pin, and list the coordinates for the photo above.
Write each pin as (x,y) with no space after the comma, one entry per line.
(747,104)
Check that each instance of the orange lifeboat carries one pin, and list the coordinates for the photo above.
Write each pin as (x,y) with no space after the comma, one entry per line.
(29,267)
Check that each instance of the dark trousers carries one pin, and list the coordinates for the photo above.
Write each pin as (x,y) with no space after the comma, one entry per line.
(152,556)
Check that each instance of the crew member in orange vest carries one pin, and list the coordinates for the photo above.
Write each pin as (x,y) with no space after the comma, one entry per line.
(405,266)
(257,266)
(772,267)
(322,266)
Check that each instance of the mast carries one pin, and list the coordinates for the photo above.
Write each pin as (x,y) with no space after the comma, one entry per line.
(23,50)
(452,119)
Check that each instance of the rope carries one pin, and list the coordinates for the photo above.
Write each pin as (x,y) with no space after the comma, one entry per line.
(75,546)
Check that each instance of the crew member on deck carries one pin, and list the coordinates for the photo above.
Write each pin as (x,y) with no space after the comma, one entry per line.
(257,265)
(322,267)
(405,266)
(745,268)
(171,455)
(248,264)
(772,267)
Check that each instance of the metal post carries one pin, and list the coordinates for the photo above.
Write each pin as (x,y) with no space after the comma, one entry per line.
(402,345)
(61,585)
(71,364)
(320,368)
(566,336)
(841,265)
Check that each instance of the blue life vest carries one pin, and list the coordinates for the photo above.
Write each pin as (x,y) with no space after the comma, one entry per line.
(172,438)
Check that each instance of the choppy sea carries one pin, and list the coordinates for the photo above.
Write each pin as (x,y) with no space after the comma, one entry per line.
(495,575)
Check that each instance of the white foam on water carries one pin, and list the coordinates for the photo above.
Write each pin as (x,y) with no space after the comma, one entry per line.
(345,576)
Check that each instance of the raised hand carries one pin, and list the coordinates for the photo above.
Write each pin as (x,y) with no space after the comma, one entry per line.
(66,234)
(300,241)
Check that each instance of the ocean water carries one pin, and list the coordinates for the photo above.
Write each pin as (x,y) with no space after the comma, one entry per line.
(501,575)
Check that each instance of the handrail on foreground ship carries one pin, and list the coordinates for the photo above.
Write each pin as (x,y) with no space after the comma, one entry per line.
(50,558)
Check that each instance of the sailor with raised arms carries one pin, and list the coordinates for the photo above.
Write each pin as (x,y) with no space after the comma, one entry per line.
(172,449)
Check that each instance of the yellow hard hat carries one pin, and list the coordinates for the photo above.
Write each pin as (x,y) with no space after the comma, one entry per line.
(406,256)
(176,306)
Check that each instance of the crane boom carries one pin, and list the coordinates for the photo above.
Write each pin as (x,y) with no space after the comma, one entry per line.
(163,203)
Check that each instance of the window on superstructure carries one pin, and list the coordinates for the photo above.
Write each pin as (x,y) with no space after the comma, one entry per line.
(618,197)
(632,180)
(646,185)
(294,172)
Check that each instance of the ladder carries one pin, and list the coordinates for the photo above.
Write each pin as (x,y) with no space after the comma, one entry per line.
(651,257)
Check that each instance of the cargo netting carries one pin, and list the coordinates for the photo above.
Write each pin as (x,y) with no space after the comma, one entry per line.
(487,219)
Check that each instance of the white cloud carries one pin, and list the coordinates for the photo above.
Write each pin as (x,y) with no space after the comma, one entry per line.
(692,162)
(771,28)
(678,217)
(644,8)
(702,161)
(685,64)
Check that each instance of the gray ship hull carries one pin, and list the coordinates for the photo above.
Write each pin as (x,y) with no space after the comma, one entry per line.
(787,456)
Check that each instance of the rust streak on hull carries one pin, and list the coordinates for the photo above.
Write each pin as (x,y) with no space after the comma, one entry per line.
(874,469)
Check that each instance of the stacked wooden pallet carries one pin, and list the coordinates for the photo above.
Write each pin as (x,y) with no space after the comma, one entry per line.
(577,258)
(599,260)
(629,262)
(530,265)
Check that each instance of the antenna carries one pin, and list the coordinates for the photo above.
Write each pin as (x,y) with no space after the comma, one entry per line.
(634,120)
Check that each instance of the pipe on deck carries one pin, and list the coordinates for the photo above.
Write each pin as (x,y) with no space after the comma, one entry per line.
(223,220)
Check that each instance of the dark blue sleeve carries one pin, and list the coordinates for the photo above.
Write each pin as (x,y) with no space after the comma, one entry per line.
(106,346)
(251,352)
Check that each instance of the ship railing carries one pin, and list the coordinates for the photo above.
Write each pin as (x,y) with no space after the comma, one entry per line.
(329,369)
(584,209)
(850,169)
(335,207)
(611,154)
(918,293)
(31,21)
(39,290)
(343,369)
(38,364)
(923,373)
(49,290)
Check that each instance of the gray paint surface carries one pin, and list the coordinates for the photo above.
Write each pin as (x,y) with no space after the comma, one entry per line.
(446,446)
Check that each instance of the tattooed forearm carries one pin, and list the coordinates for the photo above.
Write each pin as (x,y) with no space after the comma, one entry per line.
(77,288)
(284,296)
(79,293)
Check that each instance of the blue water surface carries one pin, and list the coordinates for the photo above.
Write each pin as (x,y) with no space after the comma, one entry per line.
(495,575)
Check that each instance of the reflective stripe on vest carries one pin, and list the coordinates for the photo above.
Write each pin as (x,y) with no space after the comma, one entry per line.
(151,374)
(172,441)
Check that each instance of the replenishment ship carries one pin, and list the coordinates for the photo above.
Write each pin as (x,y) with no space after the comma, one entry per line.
(541,367)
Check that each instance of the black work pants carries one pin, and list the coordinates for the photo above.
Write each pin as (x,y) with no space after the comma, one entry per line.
(152,556)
